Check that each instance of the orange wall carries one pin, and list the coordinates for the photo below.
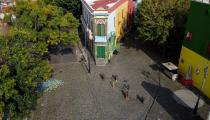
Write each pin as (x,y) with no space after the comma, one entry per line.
(121,19)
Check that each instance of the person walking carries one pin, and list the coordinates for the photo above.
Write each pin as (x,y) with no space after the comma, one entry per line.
(125,90)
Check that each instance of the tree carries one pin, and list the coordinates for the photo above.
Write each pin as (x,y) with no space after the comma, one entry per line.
(162,23)
(20,73)
(22,51)
(155,21)
(176,37)
(157,18)
(73,6)
(47,23)
(22,62)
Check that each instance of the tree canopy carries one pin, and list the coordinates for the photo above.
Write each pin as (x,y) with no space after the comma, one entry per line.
(159,20)
(22,53)
(47,23)
(73,6)
(22,69)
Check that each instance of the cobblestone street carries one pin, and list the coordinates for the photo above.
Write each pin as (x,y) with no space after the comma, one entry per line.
(88,97)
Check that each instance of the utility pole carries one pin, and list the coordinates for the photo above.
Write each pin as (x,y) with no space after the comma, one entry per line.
(194,112)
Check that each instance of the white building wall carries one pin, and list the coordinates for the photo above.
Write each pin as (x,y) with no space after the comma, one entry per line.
(111,23)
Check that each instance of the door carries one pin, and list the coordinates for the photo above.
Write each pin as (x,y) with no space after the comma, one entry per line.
(100,51)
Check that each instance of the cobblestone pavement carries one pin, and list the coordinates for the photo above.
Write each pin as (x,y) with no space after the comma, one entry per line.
(88,97)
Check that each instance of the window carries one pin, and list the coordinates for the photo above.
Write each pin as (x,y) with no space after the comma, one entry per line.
(101,29)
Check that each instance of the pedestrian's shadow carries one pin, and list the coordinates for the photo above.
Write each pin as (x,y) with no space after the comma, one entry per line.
(165,99)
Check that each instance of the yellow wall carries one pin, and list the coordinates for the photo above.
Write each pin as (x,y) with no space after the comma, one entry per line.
(121,19)
(191,58)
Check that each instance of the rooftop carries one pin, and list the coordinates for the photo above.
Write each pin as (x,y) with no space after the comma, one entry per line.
(101,4)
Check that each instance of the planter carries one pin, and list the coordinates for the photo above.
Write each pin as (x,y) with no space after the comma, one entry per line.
(185,82)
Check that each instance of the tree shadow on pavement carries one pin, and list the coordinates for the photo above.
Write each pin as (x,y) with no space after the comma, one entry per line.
(165,99)
(61,49)
(132,40)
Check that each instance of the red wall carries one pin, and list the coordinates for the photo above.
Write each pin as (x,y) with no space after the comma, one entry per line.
(130,12)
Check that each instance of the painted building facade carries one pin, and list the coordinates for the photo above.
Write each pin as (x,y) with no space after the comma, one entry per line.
(5,7)
(104,23)
(195,52)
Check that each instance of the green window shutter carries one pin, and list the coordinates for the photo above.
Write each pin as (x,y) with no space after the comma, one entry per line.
(101,29)
(100,51)
(103,52)
(98,30)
